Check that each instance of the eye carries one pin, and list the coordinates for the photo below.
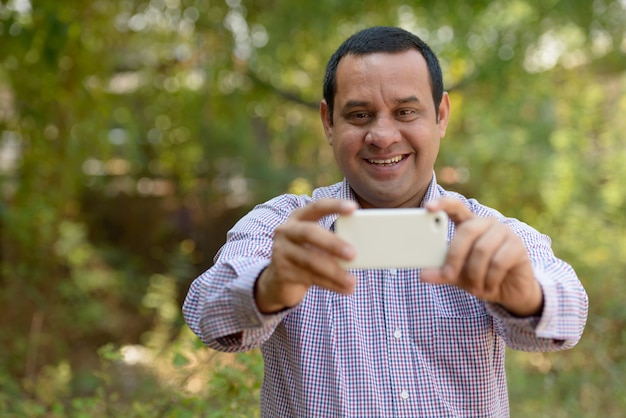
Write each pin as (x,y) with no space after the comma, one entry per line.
(406,114)
(359,117)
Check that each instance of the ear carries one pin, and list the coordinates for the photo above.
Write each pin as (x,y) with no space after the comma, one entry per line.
(444,114)
(326,122)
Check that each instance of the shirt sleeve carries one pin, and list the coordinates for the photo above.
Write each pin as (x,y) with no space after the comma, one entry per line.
(562,321)
(220,307)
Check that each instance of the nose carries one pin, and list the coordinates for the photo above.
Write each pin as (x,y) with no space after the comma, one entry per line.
(382,133)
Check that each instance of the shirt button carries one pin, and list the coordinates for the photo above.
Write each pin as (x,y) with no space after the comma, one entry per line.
(393,272)
(397,334)
(404,395)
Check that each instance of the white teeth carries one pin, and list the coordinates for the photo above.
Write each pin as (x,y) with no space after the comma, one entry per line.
(387,161)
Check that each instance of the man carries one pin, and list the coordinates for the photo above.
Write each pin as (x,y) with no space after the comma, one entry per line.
(385,342)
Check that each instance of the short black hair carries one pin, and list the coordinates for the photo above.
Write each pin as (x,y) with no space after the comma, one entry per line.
(382,39)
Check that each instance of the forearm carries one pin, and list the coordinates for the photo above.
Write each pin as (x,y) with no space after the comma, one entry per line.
(563,317)
(220,309)
(220,306)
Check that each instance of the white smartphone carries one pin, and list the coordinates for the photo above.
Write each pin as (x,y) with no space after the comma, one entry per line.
(395,238)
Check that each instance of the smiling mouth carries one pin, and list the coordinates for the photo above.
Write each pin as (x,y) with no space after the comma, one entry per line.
(386,162)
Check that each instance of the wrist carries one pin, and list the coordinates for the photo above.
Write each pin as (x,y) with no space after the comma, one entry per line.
(531,305)
(262,295)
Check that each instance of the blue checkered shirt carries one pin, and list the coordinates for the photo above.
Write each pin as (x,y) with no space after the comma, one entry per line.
(397,347)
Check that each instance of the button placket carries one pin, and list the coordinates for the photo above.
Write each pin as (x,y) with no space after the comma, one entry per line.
(398,345)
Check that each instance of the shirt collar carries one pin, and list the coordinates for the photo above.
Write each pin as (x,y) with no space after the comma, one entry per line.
(433,192)
(345,192)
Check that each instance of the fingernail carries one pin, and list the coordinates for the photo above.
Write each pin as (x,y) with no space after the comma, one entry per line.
(432,204)
(348,252)
(348,205)
(427,275)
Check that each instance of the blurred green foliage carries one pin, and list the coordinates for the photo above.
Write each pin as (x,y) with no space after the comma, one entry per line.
(134,133)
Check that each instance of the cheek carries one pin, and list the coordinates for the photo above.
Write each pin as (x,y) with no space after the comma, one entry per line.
(348,140)
(424,139)
(343,143)
(346,149)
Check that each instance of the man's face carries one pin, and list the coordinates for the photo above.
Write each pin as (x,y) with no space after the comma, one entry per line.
(384,132)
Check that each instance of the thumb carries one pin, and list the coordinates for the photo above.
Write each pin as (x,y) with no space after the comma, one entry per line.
(455,209)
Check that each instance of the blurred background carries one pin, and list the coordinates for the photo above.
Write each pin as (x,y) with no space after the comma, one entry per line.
(134,133)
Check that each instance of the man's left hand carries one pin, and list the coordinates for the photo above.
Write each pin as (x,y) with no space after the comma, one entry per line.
(488,260)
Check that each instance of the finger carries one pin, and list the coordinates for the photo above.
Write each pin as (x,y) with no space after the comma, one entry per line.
(316,210)
(507,258)
(311,235)
(345,285)
(455,209)
(316,267)
(433,276)
(302,226)
(495,275)
(480,258)
(461,246)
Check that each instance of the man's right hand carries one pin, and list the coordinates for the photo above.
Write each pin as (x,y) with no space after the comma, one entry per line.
(305,254)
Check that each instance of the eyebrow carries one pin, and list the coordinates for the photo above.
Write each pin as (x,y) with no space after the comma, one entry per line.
(410,99)
(355,103)
(350,104)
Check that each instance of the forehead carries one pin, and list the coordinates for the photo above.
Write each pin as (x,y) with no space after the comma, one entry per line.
(387,74)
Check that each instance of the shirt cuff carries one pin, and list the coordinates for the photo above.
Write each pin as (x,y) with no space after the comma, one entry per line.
(543,326)
(244,304)
(548,323)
